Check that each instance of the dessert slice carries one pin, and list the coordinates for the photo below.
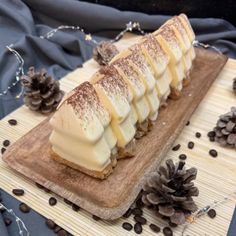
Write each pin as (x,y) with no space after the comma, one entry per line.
(81,136)
(169,42)
(136,85)
(138,68)
(116,96)
(159,60)
(191,35)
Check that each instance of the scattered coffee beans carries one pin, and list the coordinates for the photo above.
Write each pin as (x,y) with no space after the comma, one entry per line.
(128,213)
(212,139)
(182,157)
(95,217)
(50,224)
(127,226)
(24,208)
(18,192)
(3,150)
(62,232)
(172,225)
(213,153)
(139,203)
(57,229)
(7,221)
(75,207)
(137,211)
(138,229)
(211,213)
(198,135)
(12,122)
(190,145)
(52,201)
(167,231)
(155,228)
(140,219)
(211,134)
(6,143)
(188,123)
(176,147)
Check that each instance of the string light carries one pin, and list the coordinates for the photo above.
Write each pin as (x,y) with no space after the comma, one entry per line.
(23,231)
(130,27)
(205,209)
(206,46)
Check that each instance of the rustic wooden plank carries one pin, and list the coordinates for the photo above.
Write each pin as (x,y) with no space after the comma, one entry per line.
(110,198)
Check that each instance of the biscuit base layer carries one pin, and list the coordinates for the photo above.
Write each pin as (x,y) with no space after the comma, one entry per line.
(97,174)
(175,93)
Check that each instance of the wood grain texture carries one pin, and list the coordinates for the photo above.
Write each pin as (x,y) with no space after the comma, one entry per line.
(110,198)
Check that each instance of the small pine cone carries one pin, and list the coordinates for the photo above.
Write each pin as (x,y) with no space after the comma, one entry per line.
(42,92)
(234,85)
(225,130)
(169,192)
(104,52)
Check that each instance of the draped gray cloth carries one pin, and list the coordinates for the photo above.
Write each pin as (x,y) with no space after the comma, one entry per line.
(22,23)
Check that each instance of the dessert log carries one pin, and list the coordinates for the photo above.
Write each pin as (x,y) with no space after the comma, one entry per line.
(98,122)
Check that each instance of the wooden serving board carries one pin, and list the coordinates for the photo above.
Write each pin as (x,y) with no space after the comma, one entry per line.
(110,198)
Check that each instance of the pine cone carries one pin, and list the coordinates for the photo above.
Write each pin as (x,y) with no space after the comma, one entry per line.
(234,85)
(169,191)
(225,130)
(42,92)
(104,52)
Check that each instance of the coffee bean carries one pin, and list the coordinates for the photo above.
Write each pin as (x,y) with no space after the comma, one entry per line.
(24,208)
(140,219)
(172,225)
(213,153)
(212,139)
(127,226)
(7,221)
(62,232)
(176,147)
(190,145)
(50,224)
(12,122)
(182,157)
(57,229)
(6,143)
(67,201)
(155,228)
(211,213)
(137,211)
(139,203)
(188,123)
(167,231)
(198,135)
(3,150)
(75,207)
(128,213)
(138,229)
(96,217)
(211,134)
(18,192)
(52,201)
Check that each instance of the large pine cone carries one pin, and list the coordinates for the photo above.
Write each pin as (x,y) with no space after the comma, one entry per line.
(104,52)
(225,130)
(42,92)
(170,190)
